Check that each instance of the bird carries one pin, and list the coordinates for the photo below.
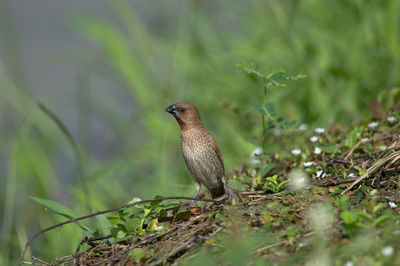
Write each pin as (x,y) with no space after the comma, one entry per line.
(200,151)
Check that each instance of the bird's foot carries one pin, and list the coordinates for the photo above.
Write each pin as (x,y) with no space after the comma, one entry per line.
(233,196)
(192,203)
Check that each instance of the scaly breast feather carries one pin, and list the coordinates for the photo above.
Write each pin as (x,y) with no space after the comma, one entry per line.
(201,161)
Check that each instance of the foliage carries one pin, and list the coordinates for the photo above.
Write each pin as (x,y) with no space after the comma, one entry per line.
(143,219)
(267,109)
(273,184)
(368,217)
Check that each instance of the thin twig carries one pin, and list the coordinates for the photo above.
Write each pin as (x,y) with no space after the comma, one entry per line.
(375,184)
(333,182)
(39,260)
(257,192)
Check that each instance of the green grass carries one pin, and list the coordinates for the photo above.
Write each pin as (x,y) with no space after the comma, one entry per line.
(183,51)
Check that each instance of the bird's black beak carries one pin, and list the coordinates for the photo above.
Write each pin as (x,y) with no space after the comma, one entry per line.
(172,110)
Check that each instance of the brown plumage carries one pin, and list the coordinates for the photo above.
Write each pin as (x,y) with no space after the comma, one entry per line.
(201,153)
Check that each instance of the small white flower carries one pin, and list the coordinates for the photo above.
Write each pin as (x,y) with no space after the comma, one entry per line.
(387,251)
(314,139)
(308,164)
(358,134)
(159,228)
(303,127)
(319,130)
(319,174)
(364,140)
(296,152)
(302,244)
(373,124)
(348,263)
(351,175)
(317,150)
(257,152)
(391,119)
(392,205)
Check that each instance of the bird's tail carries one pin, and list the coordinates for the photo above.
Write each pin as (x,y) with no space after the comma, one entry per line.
(226,188)
(217,191)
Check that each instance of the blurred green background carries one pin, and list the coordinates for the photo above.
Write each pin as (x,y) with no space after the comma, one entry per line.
(108,69)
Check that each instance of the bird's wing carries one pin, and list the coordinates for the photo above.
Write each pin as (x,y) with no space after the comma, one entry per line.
(217,150)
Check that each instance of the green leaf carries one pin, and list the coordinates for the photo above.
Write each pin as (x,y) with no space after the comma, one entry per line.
(270,109)
(237,185)
(182,216)
(277,78)
(247,179)
(104,224)
(381,219)
(266,168)
(271,124)
(90,233)
(282,184)
(342,202)
(138,206)
(162,213)
(60,209)
(175,210)
(382,147)
(280,77)
(168,203)
(121,234)
(331,148)
(352,138)
(267,187)
(259,108)
(152,225)
(365,215)
(155,203)
(132,225)
(250,68)
(133,200)
(137,253)
(348,217)
(114,232)
(273,179)
(378,208)
(219,216)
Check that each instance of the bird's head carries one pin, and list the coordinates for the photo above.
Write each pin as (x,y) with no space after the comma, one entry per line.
(186,114)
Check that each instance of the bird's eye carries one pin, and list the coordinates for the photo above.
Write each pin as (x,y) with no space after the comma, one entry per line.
(181,110)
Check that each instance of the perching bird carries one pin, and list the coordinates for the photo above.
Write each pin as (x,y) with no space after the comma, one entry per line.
(201,153)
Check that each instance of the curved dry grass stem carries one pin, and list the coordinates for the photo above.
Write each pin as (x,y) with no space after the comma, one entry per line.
(380,163)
